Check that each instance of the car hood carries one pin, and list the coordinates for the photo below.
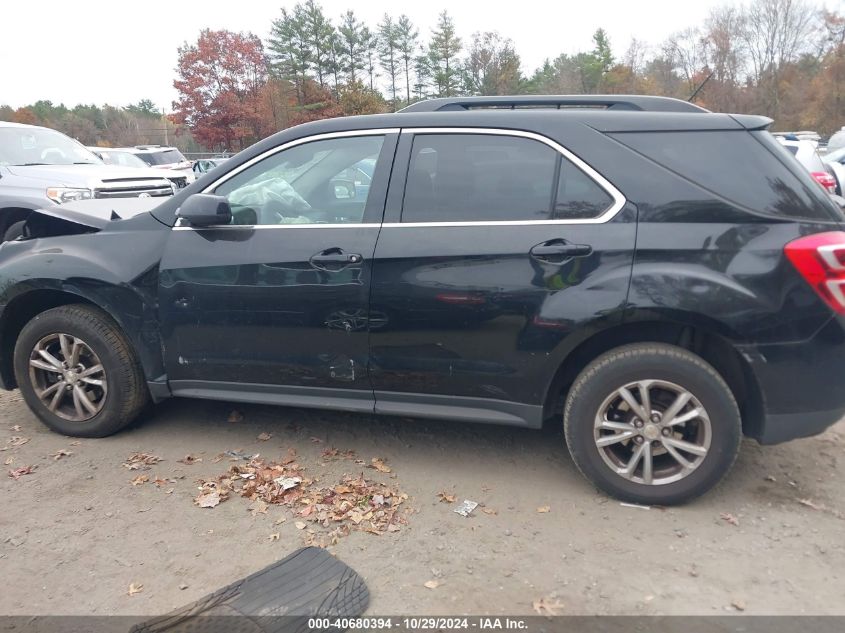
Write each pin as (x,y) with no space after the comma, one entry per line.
(97,214)
(90,176)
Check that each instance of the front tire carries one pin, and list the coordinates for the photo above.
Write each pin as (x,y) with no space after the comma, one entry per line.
(78,373)
(652,423)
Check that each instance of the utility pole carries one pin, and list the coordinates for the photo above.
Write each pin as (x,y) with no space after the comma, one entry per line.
(164,120)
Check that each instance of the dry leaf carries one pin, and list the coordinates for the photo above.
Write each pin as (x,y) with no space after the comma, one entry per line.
(236,416)
(379,465)
(300,525)
(279,521)
(727,516)
(431,584)
(544,606)
(61,453)
(138,460)
(486,510)
(258,507)
(9,460)
(544,509)
(15,428)
(75,443)
(445,496)
(738,604)
(17,473)
(274,537)
(133,589)
(263,437)
(811,504)
(17,441)
(140,479)
(316,440)
(208,500)
(189,460)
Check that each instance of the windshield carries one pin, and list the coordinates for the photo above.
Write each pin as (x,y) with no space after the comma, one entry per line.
(40,146)
(836,156)
(164,157)
(123,159)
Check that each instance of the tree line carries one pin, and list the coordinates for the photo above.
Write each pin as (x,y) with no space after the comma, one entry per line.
(781,58)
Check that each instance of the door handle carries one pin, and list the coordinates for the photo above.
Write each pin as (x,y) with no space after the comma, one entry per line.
(559,250)
(334,258)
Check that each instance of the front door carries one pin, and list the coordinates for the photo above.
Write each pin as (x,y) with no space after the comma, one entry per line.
(277,302)
(498,248)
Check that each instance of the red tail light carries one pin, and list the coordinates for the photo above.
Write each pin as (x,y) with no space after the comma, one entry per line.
(826,180)
(820,259)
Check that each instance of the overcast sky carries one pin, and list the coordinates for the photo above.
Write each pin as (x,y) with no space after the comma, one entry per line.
(110,51)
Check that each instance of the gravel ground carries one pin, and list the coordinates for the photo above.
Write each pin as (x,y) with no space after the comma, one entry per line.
(76,533)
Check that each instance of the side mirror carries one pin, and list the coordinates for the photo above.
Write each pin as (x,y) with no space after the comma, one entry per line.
(205,209)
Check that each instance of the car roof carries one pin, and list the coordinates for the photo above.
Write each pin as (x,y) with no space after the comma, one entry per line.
(12,124)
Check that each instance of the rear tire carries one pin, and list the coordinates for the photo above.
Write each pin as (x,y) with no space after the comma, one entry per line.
(651,461)
(78,373)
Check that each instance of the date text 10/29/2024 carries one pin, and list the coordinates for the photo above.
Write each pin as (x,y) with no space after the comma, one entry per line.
(480,623)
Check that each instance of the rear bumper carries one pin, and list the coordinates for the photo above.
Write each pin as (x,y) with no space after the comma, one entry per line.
(802,384)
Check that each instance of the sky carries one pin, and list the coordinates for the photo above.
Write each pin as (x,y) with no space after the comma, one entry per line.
(118,52)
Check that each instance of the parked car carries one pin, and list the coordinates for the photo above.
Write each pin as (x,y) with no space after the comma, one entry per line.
(514,260)
(123,158)
(163,157)
(40,167)
(806,153)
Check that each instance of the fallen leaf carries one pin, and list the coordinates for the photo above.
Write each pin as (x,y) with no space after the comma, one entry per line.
(280,521)
(300,525)
(140,479)
(61,453)
(258,507)
(274,537)
(75,443)
(727,516)
(446,497)
(379,465)
(544,509)
(9,460)
(15,428)
(811,504)
(738,604)
(544,606)
(133,589)
(17,441)
(208,500)
(189,460)
(431,584)
(263,437)
(236,416)
(137,461)
(486,510)
(17,473)
(316,440)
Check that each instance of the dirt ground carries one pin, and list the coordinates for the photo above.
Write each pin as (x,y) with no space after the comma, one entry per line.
(76,533)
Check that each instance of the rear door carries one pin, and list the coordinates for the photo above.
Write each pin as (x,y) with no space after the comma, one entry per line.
(498,247)
(277,302)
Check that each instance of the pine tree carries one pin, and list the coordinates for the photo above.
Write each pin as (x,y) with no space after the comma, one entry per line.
(369,47)
(389,53)
(290,53)
(318,31)
(443,50)
(407,36)
(351,37)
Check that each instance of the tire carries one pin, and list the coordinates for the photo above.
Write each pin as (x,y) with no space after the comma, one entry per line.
(711,427)
(95,340)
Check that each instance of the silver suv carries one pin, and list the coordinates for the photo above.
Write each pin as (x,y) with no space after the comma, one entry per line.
(40,167)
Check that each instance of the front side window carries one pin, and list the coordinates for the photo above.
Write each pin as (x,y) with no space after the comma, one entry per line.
(319,182)
(494,178)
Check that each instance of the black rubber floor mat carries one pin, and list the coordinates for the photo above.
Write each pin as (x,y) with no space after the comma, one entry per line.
(278,599)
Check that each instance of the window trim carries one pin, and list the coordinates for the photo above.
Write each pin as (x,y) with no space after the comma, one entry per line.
(619,200)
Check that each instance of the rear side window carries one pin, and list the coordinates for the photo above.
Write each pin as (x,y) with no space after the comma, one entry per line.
(736,166)
(491,178)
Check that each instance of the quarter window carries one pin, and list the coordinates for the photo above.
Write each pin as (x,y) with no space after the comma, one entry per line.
(320,182)
(489,178)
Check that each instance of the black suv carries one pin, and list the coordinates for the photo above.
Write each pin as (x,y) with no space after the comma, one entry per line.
(660,278)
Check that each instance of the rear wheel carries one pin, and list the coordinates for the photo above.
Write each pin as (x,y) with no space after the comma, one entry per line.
(78,373)
(652,423)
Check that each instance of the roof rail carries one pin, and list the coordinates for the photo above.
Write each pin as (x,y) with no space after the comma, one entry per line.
(608,102)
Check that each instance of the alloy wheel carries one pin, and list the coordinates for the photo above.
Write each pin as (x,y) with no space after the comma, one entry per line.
(652,432)
(68,377)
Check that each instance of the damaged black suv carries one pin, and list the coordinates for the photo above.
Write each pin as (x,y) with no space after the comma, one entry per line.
(659,279)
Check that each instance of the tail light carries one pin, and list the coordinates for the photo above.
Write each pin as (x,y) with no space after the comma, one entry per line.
(826,180)
(820,259)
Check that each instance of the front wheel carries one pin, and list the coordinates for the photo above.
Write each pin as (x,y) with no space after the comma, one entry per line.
(78,373)
(652,423)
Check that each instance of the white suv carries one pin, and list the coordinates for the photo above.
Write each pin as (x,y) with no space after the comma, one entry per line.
(162,157)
